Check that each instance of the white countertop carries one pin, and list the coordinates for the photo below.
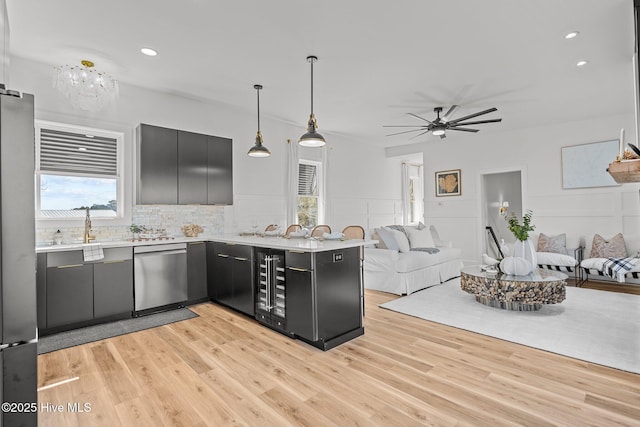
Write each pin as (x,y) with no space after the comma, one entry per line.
(300,244)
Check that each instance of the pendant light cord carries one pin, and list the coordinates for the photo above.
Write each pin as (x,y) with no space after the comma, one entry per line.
(258,91)
(312,61)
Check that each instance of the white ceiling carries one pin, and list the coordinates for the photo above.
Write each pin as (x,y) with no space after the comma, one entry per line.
(378,60)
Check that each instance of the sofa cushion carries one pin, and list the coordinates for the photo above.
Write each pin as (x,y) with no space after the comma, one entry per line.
(416,260)
(376,236)
(401,240)
(612,248)
(420,238)
(388,239)
(552,258)
(555,244)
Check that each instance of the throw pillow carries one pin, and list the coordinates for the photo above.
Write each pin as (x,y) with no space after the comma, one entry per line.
(420,238)
(613,248)
(388,239)
(401,240)
(376,236)
(555,244)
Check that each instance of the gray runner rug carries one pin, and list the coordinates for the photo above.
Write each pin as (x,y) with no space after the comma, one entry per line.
(596,326)
(113,329)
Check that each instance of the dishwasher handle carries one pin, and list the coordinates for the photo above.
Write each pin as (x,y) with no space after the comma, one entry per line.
(156,253)
(159,248)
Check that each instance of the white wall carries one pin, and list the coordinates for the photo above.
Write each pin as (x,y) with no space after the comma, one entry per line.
(578,212)
(364,186)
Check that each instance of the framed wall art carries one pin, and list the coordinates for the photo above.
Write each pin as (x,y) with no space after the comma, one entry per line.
(448,183)
(585,165)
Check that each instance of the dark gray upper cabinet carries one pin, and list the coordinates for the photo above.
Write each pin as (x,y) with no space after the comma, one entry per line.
(192,168)
(179,167)
(220,171)
(157,165)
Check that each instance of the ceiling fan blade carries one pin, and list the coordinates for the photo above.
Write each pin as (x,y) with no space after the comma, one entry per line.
(418,117)
(450,113)
(470,116)
(404,126)
(420,134)
(406,131)
(463,129)
(476,122)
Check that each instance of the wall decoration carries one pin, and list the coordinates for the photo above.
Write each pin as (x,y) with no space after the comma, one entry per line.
(448,183)
(586,165)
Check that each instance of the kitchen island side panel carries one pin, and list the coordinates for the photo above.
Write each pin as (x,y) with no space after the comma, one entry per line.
(338,292)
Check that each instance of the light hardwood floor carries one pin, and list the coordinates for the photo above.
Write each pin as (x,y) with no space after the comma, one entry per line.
(223,368)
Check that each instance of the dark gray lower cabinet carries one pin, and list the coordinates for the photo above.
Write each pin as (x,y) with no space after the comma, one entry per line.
(300,319)
(196,271)
(69,294)
(112,288)
(231,279)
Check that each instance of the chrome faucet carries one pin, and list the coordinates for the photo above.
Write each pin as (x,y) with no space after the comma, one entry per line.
(87,229)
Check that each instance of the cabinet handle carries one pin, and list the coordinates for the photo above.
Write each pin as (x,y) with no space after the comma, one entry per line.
(297,269)
(223,256)
(241,259)
(69,266)
(296,252)
(196,243)
(115,261)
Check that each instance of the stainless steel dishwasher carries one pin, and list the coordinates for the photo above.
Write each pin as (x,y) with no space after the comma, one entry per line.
(160,275)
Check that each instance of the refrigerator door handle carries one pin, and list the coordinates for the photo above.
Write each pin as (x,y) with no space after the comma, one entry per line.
(268,261)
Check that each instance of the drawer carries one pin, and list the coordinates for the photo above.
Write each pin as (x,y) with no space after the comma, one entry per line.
(56,259)
(236,251)
(299,260)
(117,254)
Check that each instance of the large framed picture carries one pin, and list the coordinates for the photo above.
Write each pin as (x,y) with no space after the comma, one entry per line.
(448,183)
(585,165)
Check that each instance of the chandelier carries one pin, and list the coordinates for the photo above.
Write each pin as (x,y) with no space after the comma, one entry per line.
(86,87)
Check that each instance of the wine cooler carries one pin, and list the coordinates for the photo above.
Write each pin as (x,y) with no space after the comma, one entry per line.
(271,301)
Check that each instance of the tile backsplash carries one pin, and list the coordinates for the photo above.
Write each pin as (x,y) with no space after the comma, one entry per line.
(167,217)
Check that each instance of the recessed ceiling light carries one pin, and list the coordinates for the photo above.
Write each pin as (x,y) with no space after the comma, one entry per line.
(148,51)
(582,63)
(572,34)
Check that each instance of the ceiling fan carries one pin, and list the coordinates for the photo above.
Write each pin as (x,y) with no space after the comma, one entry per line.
(440,125)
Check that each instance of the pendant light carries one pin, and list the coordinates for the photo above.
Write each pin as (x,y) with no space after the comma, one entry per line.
(258,150)
(312,138)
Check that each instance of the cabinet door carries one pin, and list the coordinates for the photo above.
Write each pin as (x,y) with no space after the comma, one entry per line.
(220,171)
(112,288)
(157,165)
(69,294)
(221,277)
(41,289)
(196,271)
(300,303)
(192,168)
(243,289)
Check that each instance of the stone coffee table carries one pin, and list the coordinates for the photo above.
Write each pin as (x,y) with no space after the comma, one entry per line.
(521,293)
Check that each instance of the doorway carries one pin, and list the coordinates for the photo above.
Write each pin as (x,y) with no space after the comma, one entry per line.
(501,196)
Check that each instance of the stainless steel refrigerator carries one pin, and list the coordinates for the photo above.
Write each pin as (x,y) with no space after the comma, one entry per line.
(18,328)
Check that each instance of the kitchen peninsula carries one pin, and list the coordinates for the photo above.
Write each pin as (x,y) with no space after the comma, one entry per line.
(305,288)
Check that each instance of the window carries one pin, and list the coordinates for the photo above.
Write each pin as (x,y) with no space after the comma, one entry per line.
(77,168)
(309,193)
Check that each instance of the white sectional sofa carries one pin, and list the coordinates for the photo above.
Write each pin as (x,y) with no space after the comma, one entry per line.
(408,269)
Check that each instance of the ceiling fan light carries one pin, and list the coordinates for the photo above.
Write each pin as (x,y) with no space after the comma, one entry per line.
(437,131)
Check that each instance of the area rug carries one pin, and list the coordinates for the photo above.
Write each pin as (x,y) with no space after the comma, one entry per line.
(596,326)
(109,330)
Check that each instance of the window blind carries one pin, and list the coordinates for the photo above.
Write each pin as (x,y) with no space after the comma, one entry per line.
(307,180)
(77,153)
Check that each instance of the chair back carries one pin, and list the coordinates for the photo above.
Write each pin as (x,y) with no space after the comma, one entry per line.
(271,227)
(318,230)
(292,228)
(353,232)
